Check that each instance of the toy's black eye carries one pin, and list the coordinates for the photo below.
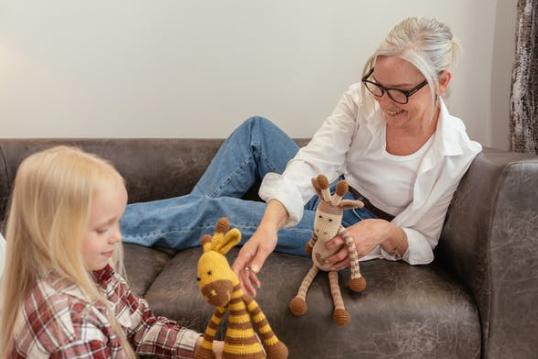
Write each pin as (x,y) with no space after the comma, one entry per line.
(209,272)
(330,219)
(320,216)
(198,279)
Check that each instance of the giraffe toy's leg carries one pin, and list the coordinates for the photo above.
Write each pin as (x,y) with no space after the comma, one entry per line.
(340,314)
(357,283)
(298,305)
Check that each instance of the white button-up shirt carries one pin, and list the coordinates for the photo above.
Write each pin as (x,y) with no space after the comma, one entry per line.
(349,134)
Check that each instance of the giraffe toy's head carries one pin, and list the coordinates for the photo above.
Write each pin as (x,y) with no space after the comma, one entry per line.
(331,208)
(216,278)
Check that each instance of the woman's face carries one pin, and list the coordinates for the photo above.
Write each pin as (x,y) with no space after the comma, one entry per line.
(395,72)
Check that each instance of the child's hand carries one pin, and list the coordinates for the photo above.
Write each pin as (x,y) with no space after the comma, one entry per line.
(218,348)
(203,353)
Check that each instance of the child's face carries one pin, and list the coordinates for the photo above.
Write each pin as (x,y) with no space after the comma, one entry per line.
(104,227)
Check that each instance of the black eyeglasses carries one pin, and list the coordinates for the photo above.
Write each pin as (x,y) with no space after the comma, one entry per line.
(396,95)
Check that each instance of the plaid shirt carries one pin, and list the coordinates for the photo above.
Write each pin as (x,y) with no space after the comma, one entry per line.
(58,321)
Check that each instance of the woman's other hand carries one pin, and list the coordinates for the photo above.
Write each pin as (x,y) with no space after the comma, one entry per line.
(368,234)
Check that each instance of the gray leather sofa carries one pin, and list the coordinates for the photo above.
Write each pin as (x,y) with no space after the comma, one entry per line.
(478,299)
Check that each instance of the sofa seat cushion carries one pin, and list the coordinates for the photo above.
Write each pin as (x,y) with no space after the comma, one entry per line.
(143,265)
(405,311)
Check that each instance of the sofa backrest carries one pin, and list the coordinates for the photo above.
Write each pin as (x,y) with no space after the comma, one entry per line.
(152,168)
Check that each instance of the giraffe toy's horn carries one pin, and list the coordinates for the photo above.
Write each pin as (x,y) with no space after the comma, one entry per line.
(323,185)
(222,225)
(341,190)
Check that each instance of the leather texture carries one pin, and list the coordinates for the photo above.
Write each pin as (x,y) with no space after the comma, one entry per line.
(476,299)
(490,241)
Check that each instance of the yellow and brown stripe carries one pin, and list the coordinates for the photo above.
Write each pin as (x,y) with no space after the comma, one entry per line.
(241,340)
(211,329)
(307,281)
(266,332)
(335,291)
(313,240)
(352,252)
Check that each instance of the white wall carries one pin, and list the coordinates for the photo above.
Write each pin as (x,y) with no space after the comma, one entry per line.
(187,68)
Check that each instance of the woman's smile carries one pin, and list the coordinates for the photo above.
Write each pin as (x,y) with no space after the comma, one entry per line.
(394,113)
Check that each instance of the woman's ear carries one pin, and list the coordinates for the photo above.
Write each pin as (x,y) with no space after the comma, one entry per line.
(444,80)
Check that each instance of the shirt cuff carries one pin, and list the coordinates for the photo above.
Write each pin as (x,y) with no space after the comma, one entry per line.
(275,186)
(419,250)
(186,343)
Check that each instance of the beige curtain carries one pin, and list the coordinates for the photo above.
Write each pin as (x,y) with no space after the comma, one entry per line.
(524,91)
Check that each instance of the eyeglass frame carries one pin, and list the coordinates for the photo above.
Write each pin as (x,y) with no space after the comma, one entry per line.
(406,93)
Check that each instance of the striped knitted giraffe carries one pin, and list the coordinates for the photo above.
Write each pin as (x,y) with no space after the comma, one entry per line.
(221,288)
(328,224)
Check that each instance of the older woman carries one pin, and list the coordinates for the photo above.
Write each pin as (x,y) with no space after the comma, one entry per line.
(390,136)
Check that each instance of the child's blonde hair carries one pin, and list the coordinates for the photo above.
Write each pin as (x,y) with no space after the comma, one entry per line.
(48,215)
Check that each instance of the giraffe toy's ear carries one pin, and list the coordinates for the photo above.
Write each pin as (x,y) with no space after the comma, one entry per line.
(231,239)
(350,204)
(223,240)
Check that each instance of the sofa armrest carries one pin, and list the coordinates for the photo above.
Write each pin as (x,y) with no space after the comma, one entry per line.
(490,240)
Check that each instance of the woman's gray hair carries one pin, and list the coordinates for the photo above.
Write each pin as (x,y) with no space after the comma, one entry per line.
(427,44)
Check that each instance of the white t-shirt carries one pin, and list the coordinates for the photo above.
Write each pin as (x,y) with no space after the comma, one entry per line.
(388,182)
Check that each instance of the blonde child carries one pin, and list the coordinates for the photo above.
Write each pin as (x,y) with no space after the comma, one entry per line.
(61,295)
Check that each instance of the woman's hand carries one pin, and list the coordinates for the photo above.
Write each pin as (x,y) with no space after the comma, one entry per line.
(368,234)
(252,256)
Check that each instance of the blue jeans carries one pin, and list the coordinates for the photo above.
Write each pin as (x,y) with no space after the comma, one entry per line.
(252,150)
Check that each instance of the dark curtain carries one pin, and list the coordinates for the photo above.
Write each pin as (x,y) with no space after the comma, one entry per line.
(524,90)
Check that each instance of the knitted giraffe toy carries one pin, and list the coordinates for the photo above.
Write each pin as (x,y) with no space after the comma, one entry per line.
(221,288)
(328,224)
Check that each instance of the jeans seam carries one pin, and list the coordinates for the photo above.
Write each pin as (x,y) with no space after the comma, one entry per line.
(228,179)
(173,229)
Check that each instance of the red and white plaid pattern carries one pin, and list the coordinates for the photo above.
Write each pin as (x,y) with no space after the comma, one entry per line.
(58,321)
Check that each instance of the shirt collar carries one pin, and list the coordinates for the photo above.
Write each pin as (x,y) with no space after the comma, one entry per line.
(101,277)
(449,133)
(447,140)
